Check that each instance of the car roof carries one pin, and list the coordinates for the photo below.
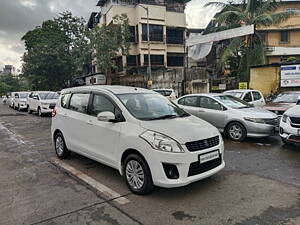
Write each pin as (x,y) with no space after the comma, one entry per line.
(207,94)
(115,89)
(240,90)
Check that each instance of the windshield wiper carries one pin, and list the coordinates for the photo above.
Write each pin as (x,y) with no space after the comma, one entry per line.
(164,117)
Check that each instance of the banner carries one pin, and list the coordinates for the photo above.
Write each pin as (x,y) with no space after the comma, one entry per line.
(290,76)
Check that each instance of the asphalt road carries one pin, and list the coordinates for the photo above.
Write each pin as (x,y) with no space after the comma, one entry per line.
(260,185)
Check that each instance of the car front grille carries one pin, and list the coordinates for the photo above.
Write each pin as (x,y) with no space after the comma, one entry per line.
(202,144)
(295,120)
(197,168)
(52,106)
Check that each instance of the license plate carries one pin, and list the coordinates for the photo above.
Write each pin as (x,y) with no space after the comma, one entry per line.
(209,156)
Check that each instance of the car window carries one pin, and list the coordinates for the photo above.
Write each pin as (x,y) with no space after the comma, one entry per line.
(248,97)
(190,101)
(79,102)
(64,100)
(209,103)
(101,104)
(256,95)
(36,95)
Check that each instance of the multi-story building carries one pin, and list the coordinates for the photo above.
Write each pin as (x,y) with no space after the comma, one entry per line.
(283,40)
(9,69)
(167,25)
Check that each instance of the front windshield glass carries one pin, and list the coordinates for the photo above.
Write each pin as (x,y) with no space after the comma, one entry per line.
(23,95)
(233,102)
(151,106)
(48,95)
(287,98)
(235,94)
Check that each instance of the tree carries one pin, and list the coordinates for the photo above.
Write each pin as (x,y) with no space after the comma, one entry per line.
(56,52)
(250,49)
(9,84)
(109,42)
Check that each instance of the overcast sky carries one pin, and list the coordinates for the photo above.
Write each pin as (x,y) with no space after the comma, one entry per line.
(19,16)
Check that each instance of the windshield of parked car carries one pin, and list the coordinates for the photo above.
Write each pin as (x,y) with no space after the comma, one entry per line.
(287,98)
(235,94)
(164,92)
(147,106)
(233,102)
(23,95)
(48,95)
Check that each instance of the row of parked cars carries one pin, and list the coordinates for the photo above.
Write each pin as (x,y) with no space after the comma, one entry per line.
(153,141)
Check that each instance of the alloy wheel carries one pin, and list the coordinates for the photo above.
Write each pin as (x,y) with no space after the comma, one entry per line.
(235,132)
(135,174)
(59,145)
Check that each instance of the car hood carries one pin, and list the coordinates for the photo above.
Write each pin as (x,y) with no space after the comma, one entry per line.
(257,112)
(278,106)
(184,129)
(49,101)
(294,111)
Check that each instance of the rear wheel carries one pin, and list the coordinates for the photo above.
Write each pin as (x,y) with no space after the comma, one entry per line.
(236,131)
(60,146)
(137,175)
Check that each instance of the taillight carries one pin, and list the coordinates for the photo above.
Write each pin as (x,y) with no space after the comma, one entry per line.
(54,112)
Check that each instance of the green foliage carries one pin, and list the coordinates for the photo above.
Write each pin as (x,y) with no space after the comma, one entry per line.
(8,84)
(109,42)
(248,49)
(56,52)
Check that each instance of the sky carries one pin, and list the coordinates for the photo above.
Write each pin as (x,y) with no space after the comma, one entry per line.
(19,16)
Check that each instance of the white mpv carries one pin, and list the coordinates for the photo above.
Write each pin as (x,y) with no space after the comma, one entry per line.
(150,140)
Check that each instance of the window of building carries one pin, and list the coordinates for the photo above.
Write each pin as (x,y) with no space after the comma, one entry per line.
(175,60)
(132,33)
(284,36)
(156,32)
(79,102)
(132,60)
(175,35)
(156,60)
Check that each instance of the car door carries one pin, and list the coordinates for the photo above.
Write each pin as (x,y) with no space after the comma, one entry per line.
(103,137)
(76,126)
(212,111)
(189,104)
(258,99)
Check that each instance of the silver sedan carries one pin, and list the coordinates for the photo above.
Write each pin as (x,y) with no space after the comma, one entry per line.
(233,116)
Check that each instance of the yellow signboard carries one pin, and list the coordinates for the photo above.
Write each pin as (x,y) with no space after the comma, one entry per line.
(215,88)
(243,85)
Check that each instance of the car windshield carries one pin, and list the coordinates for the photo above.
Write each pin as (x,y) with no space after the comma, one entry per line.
(23,95)
(233,102)
(151,106)
(164,92)
(235,94)
(48,95)
(287,98)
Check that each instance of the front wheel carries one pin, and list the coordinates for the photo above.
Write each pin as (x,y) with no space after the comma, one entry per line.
(236,131)
(137,175)
(60,146)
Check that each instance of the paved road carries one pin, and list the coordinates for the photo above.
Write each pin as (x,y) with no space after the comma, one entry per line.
(260,185)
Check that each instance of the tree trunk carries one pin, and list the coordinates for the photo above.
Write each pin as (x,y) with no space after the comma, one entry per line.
(108,77)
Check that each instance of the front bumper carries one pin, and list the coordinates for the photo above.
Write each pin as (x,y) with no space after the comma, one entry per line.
(23,105)
(289,133)
(260,130)
(184,163)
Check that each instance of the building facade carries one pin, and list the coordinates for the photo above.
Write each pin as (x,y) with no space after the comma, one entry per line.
(10,69)
(283,40)
(167,25)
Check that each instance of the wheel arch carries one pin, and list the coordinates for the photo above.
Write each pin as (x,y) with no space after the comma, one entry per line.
(126,153)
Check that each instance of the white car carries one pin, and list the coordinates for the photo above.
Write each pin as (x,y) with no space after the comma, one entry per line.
(20,100)
(289,130)
(42,102)
(11,100)
(253,97)
(168,93)
(4,99)
(147,138)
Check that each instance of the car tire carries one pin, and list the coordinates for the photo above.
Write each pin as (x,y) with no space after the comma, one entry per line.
(60,146)
(40,114)
(137,175)
(29,110)
(19,109)
(284,141)
(236,131)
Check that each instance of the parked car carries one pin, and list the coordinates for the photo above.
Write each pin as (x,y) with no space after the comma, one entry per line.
(231,115)
(149,139)
(253,97)
(42,102)
(283,102)
(11,100)
(20,100)
(168,93)
(4,99)
(289,130)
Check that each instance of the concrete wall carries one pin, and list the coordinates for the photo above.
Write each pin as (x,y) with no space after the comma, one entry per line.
(265,79)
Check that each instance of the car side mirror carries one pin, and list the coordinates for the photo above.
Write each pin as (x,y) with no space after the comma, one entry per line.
(106,117)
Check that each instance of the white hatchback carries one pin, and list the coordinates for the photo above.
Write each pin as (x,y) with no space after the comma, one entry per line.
(149,139)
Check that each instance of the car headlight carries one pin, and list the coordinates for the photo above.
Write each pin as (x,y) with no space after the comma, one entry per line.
(284,118)
(161,142)
(255,120)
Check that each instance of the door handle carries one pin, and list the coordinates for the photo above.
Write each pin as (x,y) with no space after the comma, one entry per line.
(89,122)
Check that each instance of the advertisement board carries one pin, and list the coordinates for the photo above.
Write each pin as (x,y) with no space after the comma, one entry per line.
(290,76)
